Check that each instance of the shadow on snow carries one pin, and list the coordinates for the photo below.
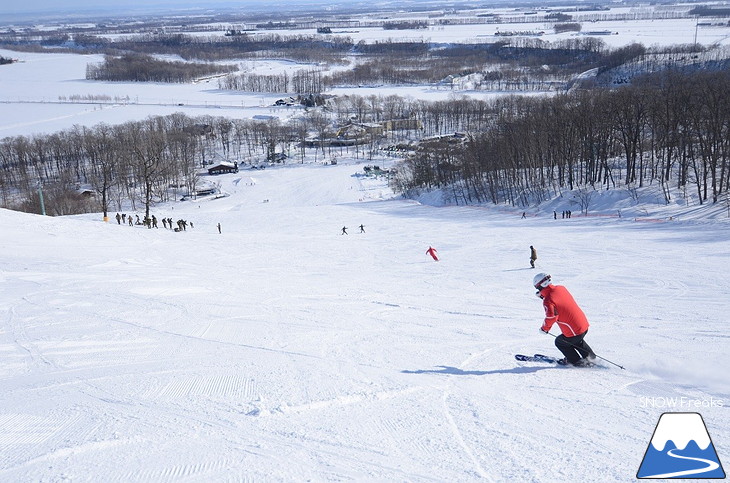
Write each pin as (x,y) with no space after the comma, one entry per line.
(455,371)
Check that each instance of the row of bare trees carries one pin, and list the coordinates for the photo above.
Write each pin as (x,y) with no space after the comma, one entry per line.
(519,64)
(672,129)
(145,68)
(305,48)
(138,161)
(135,161)
(306,81)
(142,162)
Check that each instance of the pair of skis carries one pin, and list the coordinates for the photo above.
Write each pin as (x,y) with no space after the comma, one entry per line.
(544,358)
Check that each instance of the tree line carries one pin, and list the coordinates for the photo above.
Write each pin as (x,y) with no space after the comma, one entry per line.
(139,163)
(305,81)
(511,64)
(670,129)
(520,64)
(384,61)
(145,68)
(145,162)
(304,48)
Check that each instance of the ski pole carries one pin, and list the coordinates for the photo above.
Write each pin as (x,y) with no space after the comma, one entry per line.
(602,358)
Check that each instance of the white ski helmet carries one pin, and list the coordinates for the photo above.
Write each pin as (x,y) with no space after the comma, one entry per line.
(541,281)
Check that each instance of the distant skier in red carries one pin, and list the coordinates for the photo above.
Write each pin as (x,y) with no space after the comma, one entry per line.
(432,251)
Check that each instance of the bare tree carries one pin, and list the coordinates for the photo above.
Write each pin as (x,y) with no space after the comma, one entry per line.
(101,148)
(147,143)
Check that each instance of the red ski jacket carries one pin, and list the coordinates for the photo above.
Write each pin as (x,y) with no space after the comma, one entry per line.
(560,307)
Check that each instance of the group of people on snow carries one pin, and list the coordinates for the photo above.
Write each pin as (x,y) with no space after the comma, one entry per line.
(344,229)
(152,222)
(566,214)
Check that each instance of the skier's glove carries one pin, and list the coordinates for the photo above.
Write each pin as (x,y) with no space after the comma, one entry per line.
(544,331)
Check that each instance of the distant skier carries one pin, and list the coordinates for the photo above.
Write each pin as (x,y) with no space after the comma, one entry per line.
(432,251)
(362,228)
(560,307)
(219,228)
(344,230)
(533,256)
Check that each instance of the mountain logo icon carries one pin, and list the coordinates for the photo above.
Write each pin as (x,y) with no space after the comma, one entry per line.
(681,448)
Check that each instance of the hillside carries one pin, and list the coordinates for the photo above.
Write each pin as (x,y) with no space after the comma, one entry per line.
(281,350)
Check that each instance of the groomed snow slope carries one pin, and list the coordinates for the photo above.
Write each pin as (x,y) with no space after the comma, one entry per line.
(281,350)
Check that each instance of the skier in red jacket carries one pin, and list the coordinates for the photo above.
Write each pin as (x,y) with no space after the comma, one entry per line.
(560,307)
(432,251)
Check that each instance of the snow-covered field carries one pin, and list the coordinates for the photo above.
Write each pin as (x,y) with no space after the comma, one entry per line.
(649,33)
(281,350)
(46,93)
(36,92)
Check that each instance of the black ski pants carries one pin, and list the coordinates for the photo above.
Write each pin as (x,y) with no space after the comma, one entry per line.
(573,348)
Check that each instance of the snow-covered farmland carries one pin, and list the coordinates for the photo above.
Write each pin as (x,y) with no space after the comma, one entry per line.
(48,92)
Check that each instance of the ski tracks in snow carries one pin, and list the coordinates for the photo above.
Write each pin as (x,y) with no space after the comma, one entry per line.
(460,439)
(458,436)
(23,435)
(346,400)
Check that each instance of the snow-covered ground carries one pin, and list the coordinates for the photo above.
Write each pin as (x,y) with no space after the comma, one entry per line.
(282,350)
(45,93)
(650,33)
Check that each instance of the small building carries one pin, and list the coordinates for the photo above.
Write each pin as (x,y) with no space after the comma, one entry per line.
(223,167)
(205,192)
(85,191)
